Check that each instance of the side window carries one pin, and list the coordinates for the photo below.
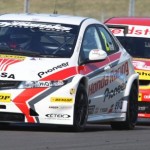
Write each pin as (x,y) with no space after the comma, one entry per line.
(110,45)
(91,40)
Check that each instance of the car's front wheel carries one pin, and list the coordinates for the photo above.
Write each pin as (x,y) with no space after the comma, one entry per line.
(80,109)
(131,114)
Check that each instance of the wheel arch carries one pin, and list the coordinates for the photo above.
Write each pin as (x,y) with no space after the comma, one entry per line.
(80,79)
(84,82)
(133,80)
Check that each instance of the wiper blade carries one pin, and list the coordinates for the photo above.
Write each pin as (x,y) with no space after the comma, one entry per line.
(24,51)
(28,53)
(18,51)
(52,56)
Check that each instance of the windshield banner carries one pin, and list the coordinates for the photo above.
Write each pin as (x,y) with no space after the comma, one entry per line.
(133,31)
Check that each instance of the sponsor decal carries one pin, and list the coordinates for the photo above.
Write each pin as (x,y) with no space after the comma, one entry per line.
(110,93)
(94,87)
(42,73)
(41,26)
(42,84)
(6,75)
(143,115)
(91,109)
(122,70)
(146,97)
(118,105)
(7,60)
(54,107)
(103,110)
(143,74)
(61,99)
(141,108)
(60,107)
(137,31)
(12,57)
(72,91)
(5,97)
(58,116)
(140,65)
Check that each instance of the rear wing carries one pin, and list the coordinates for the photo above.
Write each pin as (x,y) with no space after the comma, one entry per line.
(124,27)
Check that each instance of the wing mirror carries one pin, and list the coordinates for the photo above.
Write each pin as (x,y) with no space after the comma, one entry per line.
(97,55)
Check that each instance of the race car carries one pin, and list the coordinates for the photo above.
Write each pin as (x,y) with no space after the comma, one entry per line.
(137,42)
(66,71)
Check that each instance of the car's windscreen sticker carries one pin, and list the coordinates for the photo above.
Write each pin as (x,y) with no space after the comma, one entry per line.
(41,26)
(133,31)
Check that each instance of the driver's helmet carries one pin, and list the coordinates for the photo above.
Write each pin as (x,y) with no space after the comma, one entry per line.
(20,40)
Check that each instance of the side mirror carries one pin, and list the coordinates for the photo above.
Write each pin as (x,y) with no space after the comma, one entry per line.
(97,55)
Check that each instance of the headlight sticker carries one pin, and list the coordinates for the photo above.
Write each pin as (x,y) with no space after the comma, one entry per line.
(41,84)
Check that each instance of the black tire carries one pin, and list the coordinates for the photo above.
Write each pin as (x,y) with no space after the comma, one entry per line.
(132,112)
(80,109)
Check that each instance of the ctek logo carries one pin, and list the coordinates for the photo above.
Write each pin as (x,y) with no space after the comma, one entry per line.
(58,115)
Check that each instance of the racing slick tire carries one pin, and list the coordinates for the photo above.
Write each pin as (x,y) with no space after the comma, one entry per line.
(80,109)
(131,114)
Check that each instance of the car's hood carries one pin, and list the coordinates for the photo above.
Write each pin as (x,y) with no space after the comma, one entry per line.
(142,66)
(22,68)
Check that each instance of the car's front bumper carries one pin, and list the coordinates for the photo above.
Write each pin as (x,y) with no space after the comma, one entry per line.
(53,105)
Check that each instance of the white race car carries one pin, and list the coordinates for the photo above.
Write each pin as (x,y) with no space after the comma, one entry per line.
(64,70)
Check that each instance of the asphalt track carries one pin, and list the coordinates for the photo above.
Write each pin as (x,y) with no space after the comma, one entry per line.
(95,137)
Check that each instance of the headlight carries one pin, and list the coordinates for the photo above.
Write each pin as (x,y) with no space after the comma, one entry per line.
(41,84)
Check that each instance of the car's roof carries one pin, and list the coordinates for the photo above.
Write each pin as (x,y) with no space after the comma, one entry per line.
(143,21)
(54,18)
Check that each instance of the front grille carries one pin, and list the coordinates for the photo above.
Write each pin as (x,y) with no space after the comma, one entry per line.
(14,117)
(9,84)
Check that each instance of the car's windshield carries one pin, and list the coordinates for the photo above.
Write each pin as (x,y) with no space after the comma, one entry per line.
(35,38)
(136,46)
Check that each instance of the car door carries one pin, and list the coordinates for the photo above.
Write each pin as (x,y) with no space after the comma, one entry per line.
(97,72)
(118,69)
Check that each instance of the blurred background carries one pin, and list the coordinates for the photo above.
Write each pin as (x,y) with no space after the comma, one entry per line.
(99,9)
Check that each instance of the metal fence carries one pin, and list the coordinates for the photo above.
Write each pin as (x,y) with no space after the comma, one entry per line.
(131,6)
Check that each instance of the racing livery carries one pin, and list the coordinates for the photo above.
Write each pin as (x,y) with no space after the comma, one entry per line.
(137,43)
(64,70)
